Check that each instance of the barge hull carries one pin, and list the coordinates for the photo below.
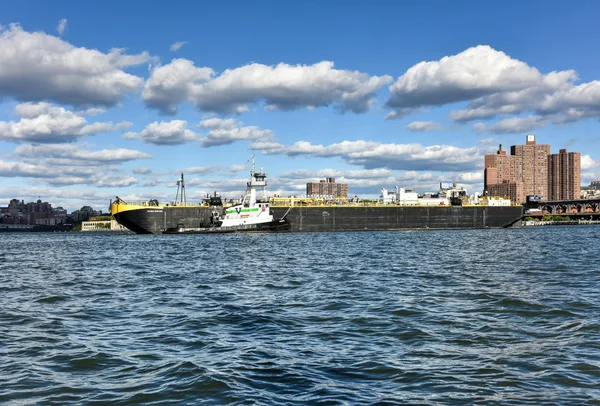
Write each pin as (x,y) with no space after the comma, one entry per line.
(337,218)
(315,219)
(155,221)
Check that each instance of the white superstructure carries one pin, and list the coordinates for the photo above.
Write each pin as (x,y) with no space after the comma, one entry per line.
(251,210)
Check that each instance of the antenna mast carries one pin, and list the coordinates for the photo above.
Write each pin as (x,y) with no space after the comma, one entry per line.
(180,183)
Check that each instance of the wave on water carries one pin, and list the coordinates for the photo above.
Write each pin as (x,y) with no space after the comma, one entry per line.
(420,317)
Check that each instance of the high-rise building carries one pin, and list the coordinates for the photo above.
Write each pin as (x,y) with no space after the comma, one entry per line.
(499,176)
(564,175)
(327,187)
(531,167)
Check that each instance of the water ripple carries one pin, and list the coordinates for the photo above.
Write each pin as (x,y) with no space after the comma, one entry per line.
(438,317)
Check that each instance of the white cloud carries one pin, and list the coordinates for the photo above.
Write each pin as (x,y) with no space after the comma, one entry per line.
(422,126)
(45,123)
(494,84)
(473,73)
(172,84)
(282,87)
(371,155)
(215,169)
(76,153)
(402,112)
(93,111)
(177,46)
(20,169)
(63,165)
(37,66)
(587,162)
(510,125)
(62,26)
(227,131)
(142,171)
(123,125)
(164,133)
(468,177)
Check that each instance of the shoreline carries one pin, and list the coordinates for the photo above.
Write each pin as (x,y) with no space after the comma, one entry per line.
(537,223)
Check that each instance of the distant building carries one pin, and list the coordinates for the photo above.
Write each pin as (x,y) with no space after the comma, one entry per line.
(531,167)
(327,187)
(19,212)
(500,176)
(592,191)
(530,170)
(84,214)
(399,195)
(564,175)
(108,225)
(60,215)
(512,190)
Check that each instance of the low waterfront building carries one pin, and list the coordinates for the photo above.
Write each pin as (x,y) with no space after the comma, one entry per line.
(592,191)
(400,196)
(513,190)
(108,225)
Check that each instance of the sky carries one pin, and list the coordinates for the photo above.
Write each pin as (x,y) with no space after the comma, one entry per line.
(105,99)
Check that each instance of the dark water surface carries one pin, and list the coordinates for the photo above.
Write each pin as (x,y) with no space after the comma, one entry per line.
(416,317)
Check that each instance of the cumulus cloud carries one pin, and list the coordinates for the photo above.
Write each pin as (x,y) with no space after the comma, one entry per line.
(177,46)
(63,165)
(422,126)
(372,155)
(164,133)
(172,84)
(215,169)
(93,111)
(123,125)
(494,84)
(20,169)
(227,131)
(77,153)
(282,87)
(510,125)
(142,171)
(587,162)
(45,123)
(468,177)
(473,73)
(35,66)
(62,175)
(62,26)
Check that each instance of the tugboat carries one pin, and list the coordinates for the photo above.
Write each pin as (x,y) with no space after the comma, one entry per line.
(250,215)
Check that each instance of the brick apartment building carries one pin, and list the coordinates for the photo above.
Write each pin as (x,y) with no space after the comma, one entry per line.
(530,169)
(564,176)
(327,187)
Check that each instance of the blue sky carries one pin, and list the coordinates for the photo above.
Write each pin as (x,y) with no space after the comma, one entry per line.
(118,98)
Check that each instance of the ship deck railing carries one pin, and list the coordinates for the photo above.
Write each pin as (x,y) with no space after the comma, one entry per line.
(159,204)
(296,203)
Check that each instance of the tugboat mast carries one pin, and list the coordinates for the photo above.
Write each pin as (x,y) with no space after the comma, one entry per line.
(182,184)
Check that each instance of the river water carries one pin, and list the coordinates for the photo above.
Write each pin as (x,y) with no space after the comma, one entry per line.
(415,317)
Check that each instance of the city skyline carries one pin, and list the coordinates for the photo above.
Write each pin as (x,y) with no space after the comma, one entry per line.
(96,103)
